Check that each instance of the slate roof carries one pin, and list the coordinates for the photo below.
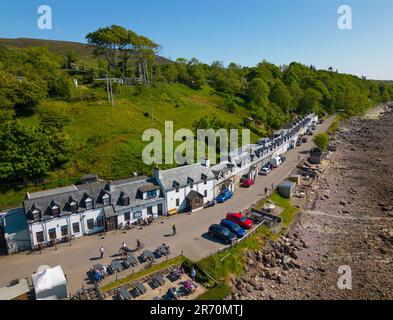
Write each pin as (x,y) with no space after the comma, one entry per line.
(182,176)
(117,190)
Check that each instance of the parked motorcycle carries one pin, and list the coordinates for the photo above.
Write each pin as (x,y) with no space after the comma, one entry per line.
(210,204)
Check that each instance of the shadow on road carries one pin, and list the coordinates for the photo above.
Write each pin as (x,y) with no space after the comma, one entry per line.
(212,239)
(95,259)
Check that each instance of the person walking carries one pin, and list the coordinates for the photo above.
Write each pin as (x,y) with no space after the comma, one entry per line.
(101,252)
(273,186)
(193,274)
(174,229)
(266,190)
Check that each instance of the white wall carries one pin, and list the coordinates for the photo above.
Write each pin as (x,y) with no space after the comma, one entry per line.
(172,195)
(143,209)
(92,214)
(57,223)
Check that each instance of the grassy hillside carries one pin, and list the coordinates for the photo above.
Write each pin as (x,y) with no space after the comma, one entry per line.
(108,141)
(83,51)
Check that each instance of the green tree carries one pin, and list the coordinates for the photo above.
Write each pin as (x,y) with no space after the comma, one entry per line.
(321,140)
(280,95)
(258,93)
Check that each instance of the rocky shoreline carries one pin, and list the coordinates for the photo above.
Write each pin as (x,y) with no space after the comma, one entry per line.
(348,221)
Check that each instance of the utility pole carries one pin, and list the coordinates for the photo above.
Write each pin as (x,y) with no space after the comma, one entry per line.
(109,90)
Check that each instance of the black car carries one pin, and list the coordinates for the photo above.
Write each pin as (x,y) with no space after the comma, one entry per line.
(222,233)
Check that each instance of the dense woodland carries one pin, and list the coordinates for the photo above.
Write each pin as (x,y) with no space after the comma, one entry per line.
(269,95)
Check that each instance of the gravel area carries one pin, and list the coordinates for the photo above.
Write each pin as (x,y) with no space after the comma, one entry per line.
(348,221)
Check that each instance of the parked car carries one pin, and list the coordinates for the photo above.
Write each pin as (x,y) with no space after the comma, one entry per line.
(248,183)
(298,143)
(265,171)
(276,162)
(310,133)
(222,233)
(304,140)
(234,228)
(224,196)
(241,220)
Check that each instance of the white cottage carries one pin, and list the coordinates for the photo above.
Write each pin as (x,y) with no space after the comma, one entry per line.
(186,188)
(74,211)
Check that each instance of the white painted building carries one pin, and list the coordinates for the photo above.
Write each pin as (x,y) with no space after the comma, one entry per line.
(186,188)
(75,211)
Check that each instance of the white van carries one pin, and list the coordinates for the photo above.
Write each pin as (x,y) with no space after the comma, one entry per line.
(276,162)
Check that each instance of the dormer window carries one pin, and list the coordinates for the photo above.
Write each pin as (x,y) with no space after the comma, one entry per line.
(74,207)
(89,203)
(106,199)
(126,201)
(36,214)
(55,210)
(191,182)
(176,185)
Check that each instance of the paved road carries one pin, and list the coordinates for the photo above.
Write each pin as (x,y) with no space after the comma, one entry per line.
(191,239)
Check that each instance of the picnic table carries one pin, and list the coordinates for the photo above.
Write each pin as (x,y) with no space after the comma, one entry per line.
(124,294)
(130,261)
(163,250)
(140,288)
(116,266)
(159,280)
(148,255)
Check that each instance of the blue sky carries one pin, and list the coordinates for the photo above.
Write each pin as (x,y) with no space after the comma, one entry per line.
(240,31)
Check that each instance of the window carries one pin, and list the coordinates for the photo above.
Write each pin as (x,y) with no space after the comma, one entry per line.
(52,234)
(106,200)
(40,237)
(152,194)
(100,222)
(74,207)
(205,181)
(177,188)
(150,211)
(192,184)
(90,224)
(89,203)
(205,194)
(126,201)
(177,202)
(76,227)
(127,216)
(37,215)
(64,231)
(56,211)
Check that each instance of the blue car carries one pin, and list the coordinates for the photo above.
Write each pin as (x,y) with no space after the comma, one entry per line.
(234,228)
(224,196)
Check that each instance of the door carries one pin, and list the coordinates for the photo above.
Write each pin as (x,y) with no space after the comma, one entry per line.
(111,223)
(3,243)
(160,209)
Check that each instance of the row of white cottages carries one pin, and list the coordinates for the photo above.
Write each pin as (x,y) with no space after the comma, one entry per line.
(93,207)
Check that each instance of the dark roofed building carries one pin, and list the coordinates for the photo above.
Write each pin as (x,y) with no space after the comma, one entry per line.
(73,211)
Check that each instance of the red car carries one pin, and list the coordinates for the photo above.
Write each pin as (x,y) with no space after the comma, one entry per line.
(248,183)
(240,220)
